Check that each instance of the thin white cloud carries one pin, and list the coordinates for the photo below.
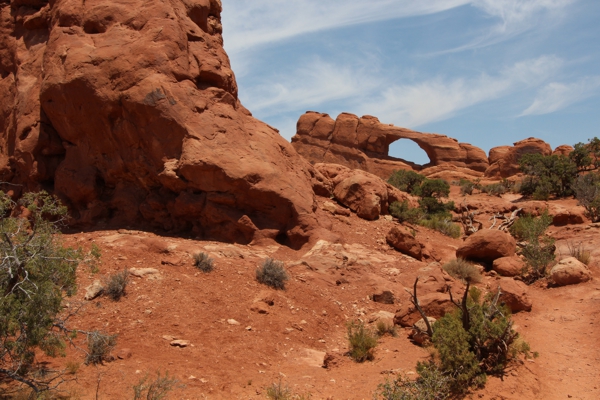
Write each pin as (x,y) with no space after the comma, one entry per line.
(310,86)
(257,22)
(438,98)
(556,96)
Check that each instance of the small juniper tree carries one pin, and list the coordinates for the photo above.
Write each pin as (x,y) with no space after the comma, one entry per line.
(36,273)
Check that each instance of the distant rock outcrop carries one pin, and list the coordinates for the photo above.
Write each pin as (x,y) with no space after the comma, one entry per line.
(363,143)
(504,160)
(129,112)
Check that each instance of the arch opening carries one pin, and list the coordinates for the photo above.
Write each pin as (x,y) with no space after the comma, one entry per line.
(408,151)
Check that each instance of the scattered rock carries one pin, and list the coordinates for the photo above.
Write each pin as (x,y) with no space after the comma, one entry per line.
(384,297)
(508,266)
(180,343)
(514,295)
(487,245)
(331,360)
(402,240)
(124,354)
(141,272)
(419,332)
(232,322)
(260,307)
(570,271)
(94,290)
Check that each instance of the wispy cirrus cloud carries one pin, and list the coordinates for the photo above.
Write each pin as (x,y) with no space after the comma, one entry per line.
(260,22)
(556,95)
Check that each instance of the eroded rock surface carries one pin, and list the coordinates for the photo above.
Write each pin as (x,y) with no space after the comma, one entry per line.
(129,112)
(504,160)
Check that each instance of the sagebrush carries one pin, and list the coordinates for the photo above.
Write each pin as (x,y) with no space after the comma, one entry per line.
(272,273)
(203,262)
(460,268)
(362,341)
(116,285)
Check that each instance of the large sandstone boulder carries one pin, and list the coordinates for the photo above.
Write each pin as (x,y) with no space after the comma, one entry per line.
(504,160)
(129,111)
(487,245)
(363,143)
(402,240)
(364,193)
(515,295)
(508,266)
(570,271)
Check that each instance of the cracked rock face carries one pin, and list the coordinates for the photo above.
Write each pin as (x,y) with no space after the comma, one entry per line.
(129,112)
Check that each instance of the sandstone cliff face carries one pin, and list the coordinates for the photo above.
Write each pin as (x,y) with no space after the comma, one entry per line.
(129,111)
(363,143)
(504,160)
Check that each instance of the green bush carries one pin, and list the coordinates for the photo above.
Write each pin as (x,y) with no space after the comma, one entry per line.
(272,273)
(203,262)
(467,187)
(463,270)
(116,285)
(362,342)
(494,189)
(155,390)
(586,156)
(406,180)
(405,213)
(587,192)
(547,175)
(434,188)
(36,273)
(443,224)
(99,346)
(539,248)
(431,384)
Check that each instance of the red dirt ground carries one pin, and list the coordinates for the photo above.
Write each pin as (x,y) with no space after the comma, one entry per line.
(225,361)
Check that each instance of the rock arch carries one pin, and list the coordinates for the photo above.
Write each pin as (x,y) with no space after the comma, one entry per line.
(363,143)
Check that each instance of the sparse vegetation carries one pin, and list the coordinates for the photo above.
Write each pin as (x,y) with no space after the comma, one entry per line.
(467,187)
(579,252)
(463,270)
(277,391)
(362,341)
(36,273)
(203,262)
(405,213)
(587,192)
(406,180)
(495,189)
(272,273)
(155,390)
(116,285)
(470,343)
(538,249)
(442,224)
(99,346)
(547,175)
(386,329)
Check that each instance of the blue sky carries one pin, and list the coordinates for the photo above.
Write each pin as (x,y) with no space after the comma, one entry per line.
(486,72)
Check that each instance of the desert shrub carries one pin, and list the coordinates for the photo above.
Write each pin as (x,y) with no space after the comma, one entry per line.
(155,390)
(443,224)
(406,180)
(431,384)
(362,342)
(467,187)
(99,346)
(405,213)
(547,175)
(587,192)
(494,189)
(539,247)
(434,188)
(36,274)
(385,329)
(433,206)
(203,262)
(586,156)
(116,285)
(272,273)
(481,344)
(579,252)
(277,391)
(463,270)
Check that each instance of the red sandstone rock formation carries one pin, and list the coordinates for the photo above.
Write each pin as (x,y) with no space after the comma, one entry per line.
(504,160)
(363,143)
(129,111)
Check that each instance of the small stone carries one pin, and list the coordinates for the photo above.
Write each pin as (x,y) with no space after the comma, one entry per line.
(180,343)
(232,322)
(94,290)
(141,272)
(124,354)
(248,328)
